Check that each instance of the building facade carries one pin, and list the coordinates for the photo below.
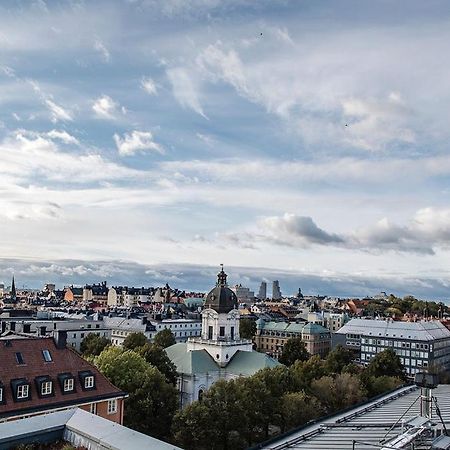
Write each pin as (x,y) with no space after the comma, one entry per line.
(419,345)
(219,353)
(41,375)
(271,337)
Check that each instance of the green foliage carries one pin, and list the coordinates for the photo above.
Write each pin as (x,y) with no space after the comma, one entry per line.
(385,363)
(378,385)
(337,393)
(293,350)
(152,401)
(297,408)
(304,372)
(93,345)
(338,358)
(156,356)
(164,338)
(247,328)
(134,340)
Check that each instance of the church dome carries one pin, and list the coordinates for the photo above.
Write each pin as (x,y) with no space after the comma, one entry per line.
(221,298)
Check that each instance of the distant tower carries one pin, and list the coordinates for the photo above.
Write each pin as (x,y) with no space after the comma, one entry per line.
(13,290)
(262,294)
(276,293)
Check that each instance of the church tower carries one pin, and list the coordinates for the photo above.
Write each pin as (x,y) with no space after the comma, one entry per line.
(13,293)
(220,324)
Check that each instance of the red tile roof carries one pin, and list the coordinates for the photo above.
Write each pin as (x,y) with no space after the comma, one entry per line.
(63,360)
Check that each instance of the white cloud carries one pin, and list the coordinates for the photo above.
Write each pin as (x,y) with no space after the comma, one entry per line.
(184,90)
(105,107)
(58,112)
(149,86)
(103,51)
(136,141)
(63,136)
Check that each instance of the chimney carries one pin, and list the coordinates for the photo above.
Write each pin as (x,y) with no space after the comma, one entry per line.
(42,331)
(60,338)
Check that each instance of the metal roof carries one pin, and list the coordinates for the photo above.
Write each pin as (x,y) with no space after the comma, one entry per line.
(421,331)
(370,423)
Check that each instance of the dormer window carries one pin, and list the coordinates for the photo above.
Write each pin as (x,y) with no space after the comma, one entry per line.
(87,380)
(23,391)
(66,382)
(44,386)
(20,389)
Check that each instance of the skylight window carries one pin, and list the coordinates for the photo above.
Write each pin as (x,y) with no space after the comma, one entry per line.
(47,356)
(19,358)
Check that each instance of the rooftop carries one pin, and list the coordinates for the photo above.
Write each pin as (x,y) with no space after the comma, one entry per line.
(368,423)
(422,331)
(78,427)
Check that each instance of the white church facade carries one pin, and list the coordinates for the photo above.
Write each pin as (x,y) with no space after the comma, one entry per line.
(219,353)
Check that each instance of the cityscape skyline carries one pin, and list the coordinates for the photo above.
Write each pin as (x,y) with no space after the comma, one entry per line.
(288,137)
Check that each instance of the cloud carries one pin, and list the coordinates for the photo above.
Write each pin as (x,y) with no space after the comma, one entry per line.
(291,229)
(103,51)
(137,141)
(63,136)
(58,112)
(105,107)
(149,86)
(184,90)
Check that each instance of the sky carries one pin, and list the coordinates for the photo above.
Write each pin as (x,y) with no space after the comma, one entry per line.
(146,141)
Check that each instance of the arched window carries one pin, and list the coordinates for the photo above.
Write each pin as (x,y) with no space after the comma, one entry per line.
(200,395)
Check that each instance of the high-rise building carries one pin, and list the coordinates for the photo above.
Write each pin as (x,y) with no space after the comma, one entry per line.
(262,294)
(276,293)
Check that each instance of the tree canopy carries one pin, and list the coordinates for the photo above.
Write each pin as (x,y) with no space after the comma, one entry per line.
(156,356)
(385,363)
(247,328)
(152,401)
(164,338)
(93,345)
(293,350)
(134,340)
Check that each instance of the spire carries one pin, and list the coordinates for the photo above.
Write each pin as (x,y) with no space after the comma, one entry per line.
(13,289)
(221,278)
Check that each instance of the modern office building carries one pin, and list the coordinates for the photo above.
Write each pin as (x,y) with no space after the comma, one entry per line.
(276,292)
(262,294)
(418,344)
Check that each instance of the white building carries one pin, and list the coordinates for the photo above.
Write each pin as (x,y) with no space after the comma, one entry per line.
(219,353)
(418,344)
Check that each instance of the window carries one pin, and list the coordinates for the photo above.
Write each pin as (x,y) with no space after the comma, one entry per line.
(46,388)
(1,394)
(232,332)
(112,406)
(93,408)
(89,382)
(22,391)
(210,332)
(222,331)
(47,356)
(68,385)
(19,358)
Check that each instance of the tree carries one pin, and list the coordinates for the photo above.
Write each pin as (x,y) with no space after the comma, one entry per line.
(386,363)
(152,401)
(193,428)
(156,356)
(215,422)
(297,408)
(247,328)
(378,385)
(337,359)
(164,338)
(304,372)
(134,340)
(340,392)
(93,345)
(293,350)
